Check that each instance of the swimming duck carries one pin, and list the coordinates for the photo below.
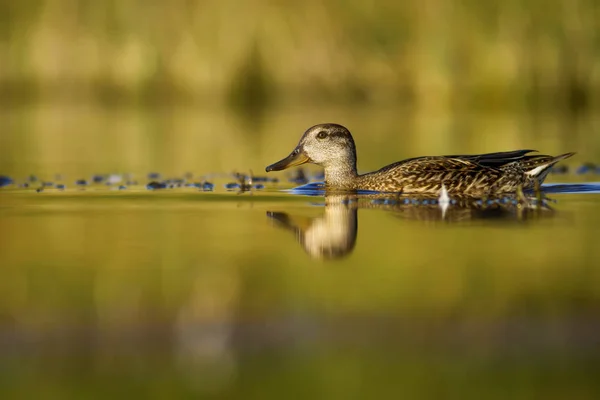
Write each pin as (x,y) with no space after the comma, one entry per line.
(332,147)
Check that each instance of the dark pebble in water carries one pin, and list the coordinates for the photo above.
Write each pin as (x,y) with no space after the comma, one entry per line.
(559,169)
(207,186)
(156,185)
(97,178)
(5,181)
(232,185)
(259,186)
(33,178)
(122,187)
(81,182)
(274,180)
(585,168)
(60,186)
(40,189)
(24,185)
(153,175)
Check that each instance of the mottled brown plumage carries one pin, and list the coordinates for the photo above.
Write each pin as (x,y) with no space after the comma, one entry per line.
(332,147)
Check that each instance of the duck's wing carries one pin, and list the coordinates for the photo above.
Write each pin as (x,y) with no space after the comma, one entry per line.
(462,161)
(495,160)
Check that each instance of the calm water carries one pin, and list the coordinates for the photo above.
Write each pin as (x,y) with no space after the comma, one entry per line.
(182,293)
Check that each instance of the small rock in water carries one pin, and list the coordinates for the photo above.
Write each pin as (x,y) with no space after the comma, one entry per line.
(156,185)
(232,186)
(274,180)
(5,181)
(33,178)
(153,175)
(585,168)
(81,182)
(39,190)
(24,185)
(114,178)
(60,186)
(122,187)
(559,169)
(208,187)
(97,178)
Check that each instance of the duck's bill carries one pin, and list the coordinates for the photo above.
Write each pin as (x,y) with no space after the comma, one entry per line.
(296,158)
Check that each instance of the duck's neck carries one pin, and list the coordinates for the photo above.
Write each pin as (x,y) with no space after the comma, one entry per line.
(341,175)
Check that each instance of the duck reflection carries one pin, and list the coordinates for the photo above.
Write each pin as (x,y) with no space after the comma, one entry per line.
(330,236)
(333,234)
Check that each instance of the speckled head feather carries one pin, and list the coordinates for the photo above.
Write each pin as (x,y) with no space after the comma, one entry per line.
(332,147)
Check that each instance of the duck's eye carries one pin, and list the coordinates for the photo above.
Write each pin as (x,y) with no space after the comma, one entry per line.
(321,135)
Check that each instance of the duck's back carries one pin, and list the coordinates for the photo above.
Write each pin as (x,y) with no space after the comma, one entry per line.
(472,175)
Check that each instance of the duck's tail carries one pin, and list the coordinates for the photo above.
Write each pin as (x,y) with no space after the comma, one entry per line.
(538,167)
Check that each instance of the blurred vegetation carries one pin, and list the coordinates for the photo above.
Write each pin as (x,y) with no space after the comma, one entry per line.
(432,53)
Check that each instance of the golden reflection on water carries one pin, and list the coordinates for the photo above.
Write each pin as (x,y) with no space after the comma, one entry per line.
(190,284)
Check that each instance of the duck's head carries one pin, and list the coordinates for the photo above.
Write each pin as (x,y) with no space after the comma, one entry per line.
(325,145)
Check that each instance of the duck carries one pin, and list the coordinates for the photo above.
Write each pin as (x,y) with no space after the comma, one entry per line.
(332,147)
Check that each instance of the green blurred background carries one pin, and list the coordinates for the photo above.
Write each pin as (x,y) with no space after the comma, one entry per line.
(431,53)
